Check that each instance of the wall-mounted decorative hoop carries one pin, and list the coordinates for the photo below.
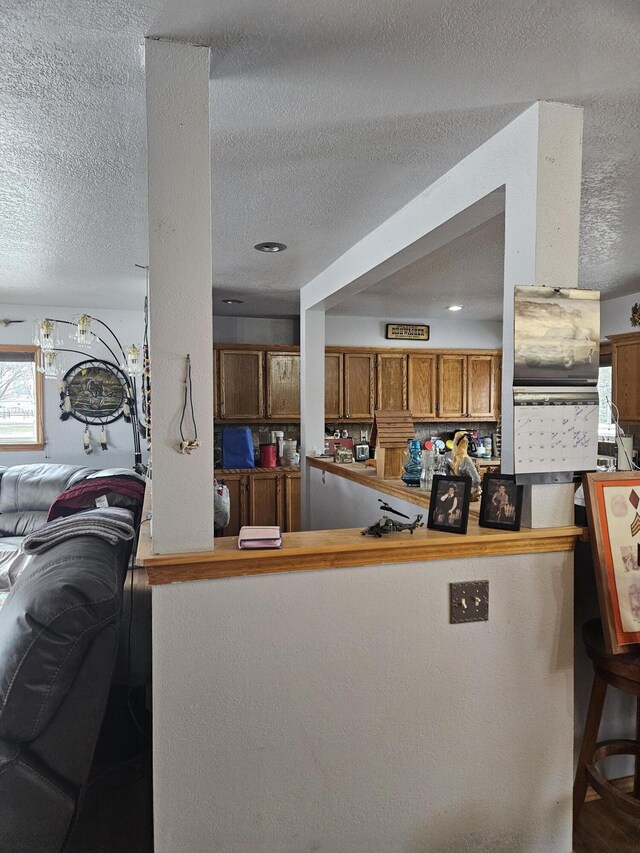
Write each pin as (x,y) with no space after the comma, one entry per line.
(96,392)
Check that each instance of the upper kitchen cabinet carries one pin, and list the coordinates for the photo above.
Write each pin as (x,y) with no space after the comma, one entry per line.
(422,388)
(391,381)
(241,384)
(359,385)
(625,360)
(452,386)
(481,386)
(283,385)
(333,386)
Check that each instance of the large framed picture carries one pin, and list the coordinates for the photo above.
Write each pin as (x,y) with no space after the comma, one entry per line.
(449,504)
(501,503)
(613,511)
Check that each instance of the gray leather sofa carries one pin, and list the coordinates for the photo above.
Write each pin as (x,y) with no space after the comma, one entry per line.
(26,493)
(59,634)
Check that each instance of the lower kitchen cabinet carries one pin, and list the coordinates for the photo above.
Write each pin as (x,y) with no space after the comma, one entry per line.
(265,500)
(262,498)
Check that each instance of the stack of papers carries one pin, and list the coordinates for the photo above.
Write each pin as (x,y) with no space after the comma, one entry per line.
(259,537)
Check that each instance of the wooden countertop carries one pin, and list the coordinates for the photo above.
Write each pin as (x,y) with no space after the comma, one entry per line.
(322,549)
(358,472)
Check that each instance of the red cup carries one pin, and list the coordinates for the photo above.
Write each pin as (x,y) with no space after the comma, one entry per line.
(267,456)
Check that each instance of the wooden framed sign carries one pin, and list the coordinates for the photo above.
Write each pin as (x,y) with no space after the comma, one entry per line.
(613,510)
(407,332)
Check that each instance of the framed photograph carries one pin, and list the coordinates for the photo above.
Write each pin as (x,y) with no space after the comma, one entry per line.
(501,503)
(613,511)
(449,504)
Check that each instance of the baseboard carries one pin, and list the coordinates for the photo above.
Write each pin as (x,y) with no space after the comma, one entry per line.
(625,784)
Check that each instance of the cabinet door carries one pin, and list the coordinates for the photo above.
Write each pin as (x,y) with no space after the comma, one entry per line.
(241,383)
(422,385)
(283,385)
(236,484)
(626,379)
(481,393)
(452,386)
(333,386)
(216,396)
(392,381)
(265,499)
(359,384)
(292,503)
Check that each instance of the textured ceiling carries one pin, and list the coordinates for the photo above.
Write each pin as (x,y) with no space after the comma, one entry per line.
(326,118)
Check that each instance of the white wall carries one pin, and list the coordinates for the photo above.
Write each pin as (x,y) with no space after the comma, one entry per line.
(256,330)
(64,438)
(342,330)
(615,315)
(444,334)
(339,711)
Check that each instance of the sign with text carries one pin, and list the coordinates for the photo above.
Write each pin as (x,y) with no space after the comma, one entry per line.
(407,332)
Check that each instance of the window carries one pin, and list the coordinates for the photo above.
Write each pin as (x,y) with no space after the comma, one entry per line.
(20,399)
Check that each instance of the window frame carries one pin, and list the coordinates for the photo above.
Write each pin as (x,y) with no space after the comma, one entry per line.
(39,389)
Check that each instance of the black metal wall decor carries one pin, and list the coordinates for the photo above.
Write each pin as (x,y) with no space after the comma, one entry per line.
(94,392)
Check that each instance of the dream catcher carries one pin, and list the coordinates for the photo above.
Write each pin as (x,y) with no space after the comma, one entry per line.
(96,393)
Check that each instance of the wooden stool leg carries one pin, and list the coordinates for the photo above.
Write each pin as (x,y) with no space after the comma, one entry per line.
(636,776)
(589,741)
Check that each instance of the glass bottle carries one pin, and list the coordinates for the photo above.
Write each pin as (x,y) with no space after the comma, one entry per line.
(413,465)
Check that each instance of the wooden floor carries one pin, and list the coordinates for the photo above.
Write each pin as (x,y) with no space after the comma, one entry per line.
(603,830)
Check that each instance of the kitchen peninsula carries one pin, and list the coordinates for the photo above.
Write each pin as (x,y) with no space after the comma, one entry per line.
(310,671)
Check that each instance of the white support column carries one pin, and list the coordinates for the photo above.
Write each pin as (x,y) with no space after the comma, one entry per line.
(312,340)
(548,249)
(180,299)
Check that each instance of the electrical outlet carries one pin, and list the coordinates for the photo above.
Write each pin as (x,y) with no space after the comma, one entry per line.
(469,601)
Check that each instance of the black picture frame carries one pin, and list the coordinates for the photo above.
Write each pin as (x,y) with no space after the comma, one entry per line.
(491,510)
(439,513)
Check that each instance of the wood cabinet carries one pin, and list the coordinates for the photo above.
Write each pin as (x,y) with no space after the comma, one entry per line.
(262,498)
(452,386)
(468,387)
(422,388)
(391,381)
(265,499)
(283,385)
(237,503)
(241,384)
(333,386)
(262,384)
(481,386)
(625,361)
(359,385)
(292,505)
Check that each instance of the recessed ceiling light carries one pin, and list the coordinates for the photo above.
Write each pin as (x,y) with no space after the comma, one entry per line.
(233,301)
(454,307)
(270,247)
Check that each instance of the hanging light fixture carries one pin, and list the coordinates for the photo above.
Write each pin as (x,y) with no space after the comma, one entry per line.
(45,334)
(133,364)
(82,334)
(50,364)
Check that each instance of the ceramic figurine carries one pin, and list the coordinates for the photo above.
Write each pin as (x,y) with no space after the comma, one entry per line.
(461,464)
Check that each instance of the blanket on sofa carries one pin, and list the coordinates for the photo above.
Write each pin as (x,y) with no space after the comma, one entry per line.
(111,524)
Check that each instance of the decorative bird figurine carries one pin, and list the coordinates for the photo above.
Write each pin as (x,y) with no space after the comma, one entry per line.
(9,322)
(462,465)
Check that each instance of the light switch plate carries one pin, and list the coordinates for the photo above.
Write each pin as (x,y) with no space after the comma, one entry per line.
(469,601)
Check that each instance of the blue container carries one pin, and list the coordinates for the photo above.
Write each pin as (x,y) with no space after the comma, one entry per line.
(237,447)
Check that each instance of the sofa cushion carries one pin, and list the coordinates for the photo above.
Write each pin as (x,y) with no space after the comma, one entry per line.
(36,486)
(21,523)
(54,610)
